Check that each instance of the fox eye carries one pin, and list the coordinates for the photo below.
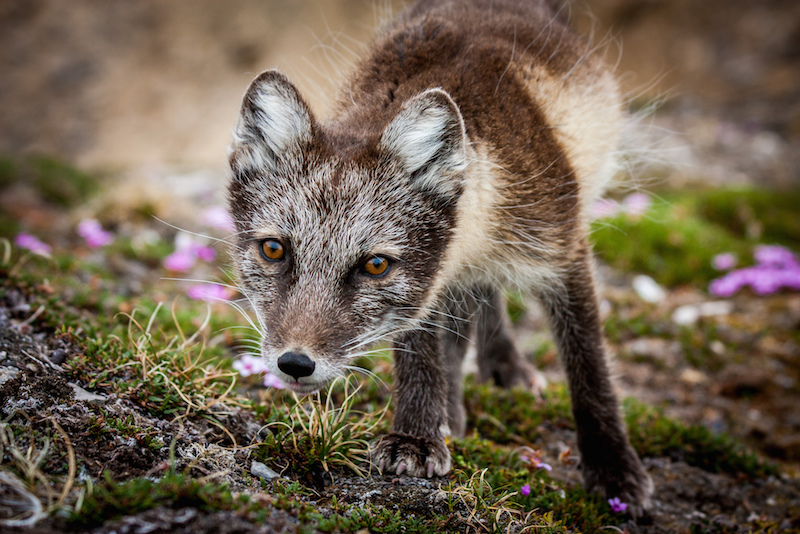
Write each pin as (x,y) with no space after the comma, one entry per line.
(376,266)
(272,250)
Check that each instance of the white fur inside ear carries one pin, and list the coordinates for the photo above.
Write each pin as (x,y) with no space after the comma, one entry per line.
(273,120)
(428,139)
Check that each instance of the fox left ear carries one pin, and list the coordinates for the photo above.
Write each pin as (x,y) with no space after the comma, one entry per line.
(274,123)
(428,139)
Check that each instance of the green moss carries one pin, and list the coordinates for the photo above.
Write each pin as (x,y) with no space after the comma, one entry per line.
(110,500)
(514,415)
(653,434)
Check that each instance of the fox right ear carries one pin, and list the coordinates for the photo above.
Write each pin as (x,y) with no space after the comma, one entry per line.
(274,122)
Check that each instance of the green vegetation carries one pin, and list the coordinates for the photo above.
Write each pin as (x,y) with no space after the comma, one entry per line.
(675,241)
(173,363)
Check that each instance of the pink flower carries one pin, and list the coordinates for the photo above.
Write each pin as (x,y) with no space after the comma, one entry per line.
(604,208)
(180,260)
(204,253)
(253,365)
(94,235)
(636,204)
(525,490)
(209,292)
(724,262)
(250,365)
(617,506)
(32,243)
(219,218)
(272,381)
(186,254)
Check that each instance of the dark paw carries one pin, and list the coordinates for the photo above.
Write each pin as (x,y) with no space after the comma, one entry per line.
(417,457)
(515,371)
(626,480)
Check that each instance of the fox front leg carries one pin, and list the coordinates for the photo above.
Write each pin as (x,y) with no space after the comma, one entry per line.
(416,446)
(609,463)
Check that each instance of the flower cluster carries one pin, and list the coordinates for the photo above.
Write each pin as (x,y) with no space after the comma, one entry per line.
(776,268)
(253,365)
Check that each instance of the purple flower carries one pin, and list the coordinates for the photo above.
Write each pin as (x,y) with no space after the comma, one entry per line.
(219,218)
(186,254)
(533,457)
(180,260)
(775,256)
(762,279)
(29,242)
(617,506)
(94,235)
(525,490)
(539,464)
(636,204)
(209,292)
(204,253)
(724,262)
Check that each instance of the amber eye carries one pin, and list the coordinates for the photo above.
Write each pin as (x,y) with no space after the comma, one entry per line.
(376,266)
(272,250)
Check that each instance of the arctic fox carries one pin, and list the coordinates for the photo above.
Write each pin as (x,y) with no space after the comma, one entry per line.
(464,153)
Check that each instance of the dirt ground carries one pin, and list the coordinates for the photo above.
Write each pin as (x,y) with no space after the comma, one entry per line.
(687,497)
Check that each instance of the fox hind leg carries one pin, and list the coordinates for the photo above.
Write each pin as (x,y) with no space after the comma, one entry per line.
(499,360)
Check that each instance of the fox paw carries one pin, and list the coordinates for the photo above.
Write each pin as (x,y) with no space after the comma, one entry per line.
(413,456)
(627,481)
(517,372)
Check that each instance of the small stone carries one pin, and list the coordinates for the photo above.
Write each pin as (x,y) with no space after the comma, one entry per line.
(688,314)
(693,376)
(83,395)
(648,289)
(262,471)
(8,373)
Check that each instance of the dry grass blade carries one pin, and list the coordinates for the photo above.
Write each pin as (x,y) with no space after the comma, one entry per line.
(20,507)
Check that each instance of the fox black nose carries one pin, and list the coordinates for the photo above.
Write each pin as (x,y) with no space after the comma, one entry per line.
(296,365)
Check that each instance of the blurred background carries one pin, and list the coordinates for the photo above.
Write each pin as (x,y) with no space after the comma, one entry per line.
(139,86)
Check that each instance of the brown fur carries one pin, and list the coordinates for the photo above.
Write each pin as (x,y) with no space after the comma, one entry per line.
(465,149)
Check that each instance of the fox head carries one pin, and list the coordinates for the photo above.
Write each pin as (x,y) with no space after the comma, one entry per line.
(342,230)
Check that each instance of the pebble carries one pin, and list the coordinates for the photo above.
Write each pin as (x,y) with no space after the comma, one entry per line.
(689,314)
(262,471)
(83,395)
(648,289)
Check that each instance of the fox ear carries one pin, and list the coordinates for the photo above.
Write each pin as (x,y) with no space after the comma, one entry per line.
(274,122)
(428,139)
